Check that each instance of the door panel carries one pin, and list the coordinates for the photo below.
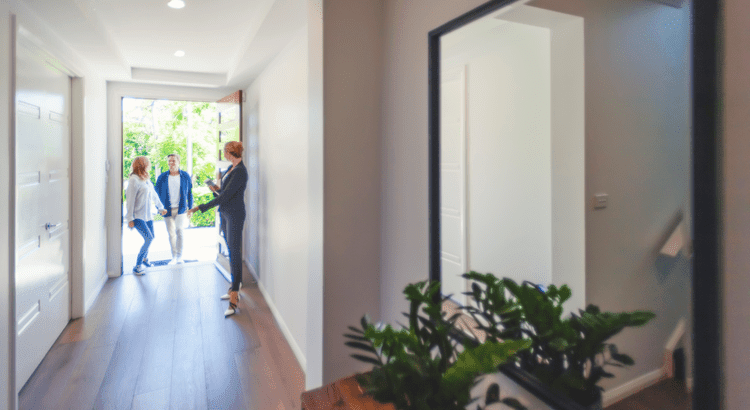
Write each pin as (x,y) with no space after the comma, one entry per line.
(42,207)
(453,212)
(230,129)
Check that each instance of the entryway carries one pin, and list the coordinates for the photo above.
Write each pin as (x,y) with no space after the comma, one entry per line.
(156,128)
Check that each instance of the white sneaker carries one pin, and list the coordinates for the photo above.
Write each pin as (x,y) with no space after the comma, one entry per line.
(173,262)
(139,270)
(180,260)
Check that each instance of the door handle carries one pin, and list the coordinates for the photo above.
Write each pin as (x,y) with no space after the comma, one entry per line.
(49,226)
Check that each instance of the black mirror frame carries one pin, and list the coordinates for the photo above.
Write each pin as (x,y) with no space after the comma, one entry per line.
(706,199)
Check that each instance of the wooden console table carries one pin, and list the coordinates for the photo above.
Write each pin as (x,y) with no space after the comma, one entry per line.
(342,394)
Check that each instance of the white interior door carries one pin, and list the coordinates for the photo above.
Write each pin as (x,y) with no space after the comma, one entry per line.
(453,255)
(42,207)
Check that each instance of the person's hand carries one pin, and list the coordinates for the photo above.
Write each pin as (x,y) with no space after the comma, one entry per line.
(163,212)
(213,188)
(191,211)
(131,224)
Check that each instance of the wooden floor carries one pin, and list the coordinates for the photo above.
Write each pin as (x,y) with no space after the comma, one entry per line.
(160,341)
(669,394)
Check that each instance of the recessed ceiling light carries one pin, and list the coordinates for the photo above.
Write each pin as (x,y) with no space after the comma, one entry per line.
(176,4)
(179,53)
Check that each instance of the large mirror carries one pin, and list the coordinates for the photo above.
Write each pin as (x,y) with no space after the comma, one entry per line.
(562,145)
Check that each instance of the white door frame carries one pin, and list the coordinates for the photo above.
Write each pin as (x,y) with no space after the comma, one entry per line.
(115,93)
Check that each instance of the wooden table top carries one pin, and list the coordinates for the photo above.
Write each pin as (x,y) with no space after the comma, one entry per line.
(342,394)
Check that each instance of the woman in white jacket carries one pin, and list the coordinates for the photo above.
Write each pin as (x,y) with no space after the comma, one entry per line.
(139,197)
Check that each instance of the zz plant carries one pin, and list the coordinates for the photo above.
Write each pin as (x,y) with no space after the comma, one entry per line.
(569,354)
(422,366)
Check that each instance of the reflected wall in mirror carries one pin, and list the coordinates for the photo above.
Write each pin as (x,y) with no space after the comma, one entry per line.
(565,135)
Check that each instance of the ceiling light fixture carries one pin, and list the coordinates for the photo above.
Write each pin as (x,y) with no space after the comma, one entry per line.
(176,4)
(179,53)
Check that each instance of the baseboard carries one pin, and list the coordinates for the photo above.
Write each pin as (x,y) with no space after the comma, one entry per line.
(623,391)
(224,273)
(284,329)
(97,289)
(251,269)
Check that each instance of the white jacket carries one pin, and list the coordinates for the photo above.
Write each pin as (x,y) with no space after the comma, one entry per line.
(140,197)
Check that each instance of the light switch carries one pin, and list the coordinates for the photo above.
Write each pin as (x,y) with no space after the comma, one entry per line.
(600,201)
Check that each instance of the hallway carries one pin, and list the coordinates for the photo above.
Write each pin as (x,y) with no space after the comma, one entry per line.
(161,341)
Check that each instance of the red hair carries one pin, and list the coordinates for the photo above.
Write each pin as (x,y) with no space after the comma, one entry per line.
(140,167)
(235,148)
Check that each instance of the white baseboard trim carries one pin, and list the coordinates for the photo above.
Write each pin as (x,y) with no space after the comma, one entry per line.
(623,391)
(284,329)
(97,289)
(224,273)
(251,269)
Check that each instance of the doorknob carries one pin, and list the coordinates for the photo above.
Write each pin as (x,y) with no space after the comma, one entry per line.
(49,226)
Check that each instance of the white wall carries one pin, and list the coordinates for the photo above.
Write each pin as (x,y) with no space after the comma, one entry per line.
(735,150)
(352,87)
(94,184)
(278,99)
(637,150)
(314,349)
(7,263)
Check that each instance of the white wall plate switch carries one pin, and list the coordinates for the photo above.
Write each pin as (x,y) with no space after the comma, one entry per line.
(600,201)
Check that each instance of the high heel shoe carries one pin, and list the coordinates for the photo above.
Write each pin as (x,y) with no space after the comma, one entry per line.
(234,301)
(226,296)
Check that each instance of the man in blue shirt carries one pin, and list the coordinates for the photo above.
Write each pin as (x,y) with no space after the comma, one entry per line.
(175,190)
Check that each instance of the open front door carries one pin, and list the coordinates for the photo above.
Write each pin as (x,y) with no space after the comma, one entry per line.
(230,129)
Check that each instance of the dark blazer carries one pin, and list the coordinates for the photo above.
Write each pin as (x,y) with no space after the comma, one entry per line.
(231,195)
(186,192)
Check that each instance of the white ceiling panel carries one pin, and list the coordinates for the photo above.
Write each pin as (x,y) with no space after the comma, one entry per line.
(220,38)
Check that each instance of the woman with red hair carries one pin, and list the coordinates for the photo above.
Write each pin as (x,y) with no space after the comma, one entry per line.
(230,196)
(139,197)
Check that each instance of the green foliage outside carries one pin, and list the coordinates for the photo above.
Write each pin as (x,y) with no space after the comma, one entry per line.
(207,218)
(157,128)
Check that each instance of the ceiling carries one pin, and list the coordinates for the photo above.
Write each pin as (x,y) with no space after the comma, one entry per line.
(226,42)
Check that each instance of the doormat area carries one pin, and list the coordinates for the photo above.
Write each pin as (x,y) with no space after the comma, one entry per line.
(166,261)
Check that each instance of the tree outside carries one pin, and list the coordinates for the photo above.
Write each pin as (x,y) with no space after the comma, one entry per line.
(157,128)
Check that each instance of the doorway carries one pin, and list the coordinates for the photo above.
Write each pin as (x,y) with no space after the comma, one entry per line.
(156,128)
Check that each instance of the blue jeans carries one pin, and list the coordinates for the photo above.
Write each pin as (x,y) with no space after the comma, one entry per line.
(146,229)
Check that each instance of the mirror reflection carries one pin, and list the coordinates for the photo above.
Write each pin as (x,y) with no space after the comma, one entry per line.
(565,159)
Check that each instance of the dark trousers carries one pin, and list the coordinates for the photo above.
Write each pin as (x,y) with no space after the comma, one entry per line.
(231,226)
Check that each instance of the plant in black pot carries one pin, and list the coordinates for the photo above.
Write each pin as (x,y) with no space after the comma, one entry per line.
(422,366)
(571,354)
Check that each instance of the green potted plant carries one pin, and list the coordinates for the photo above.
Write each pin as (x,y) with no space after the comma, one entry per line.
(568,355)
(422,366)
